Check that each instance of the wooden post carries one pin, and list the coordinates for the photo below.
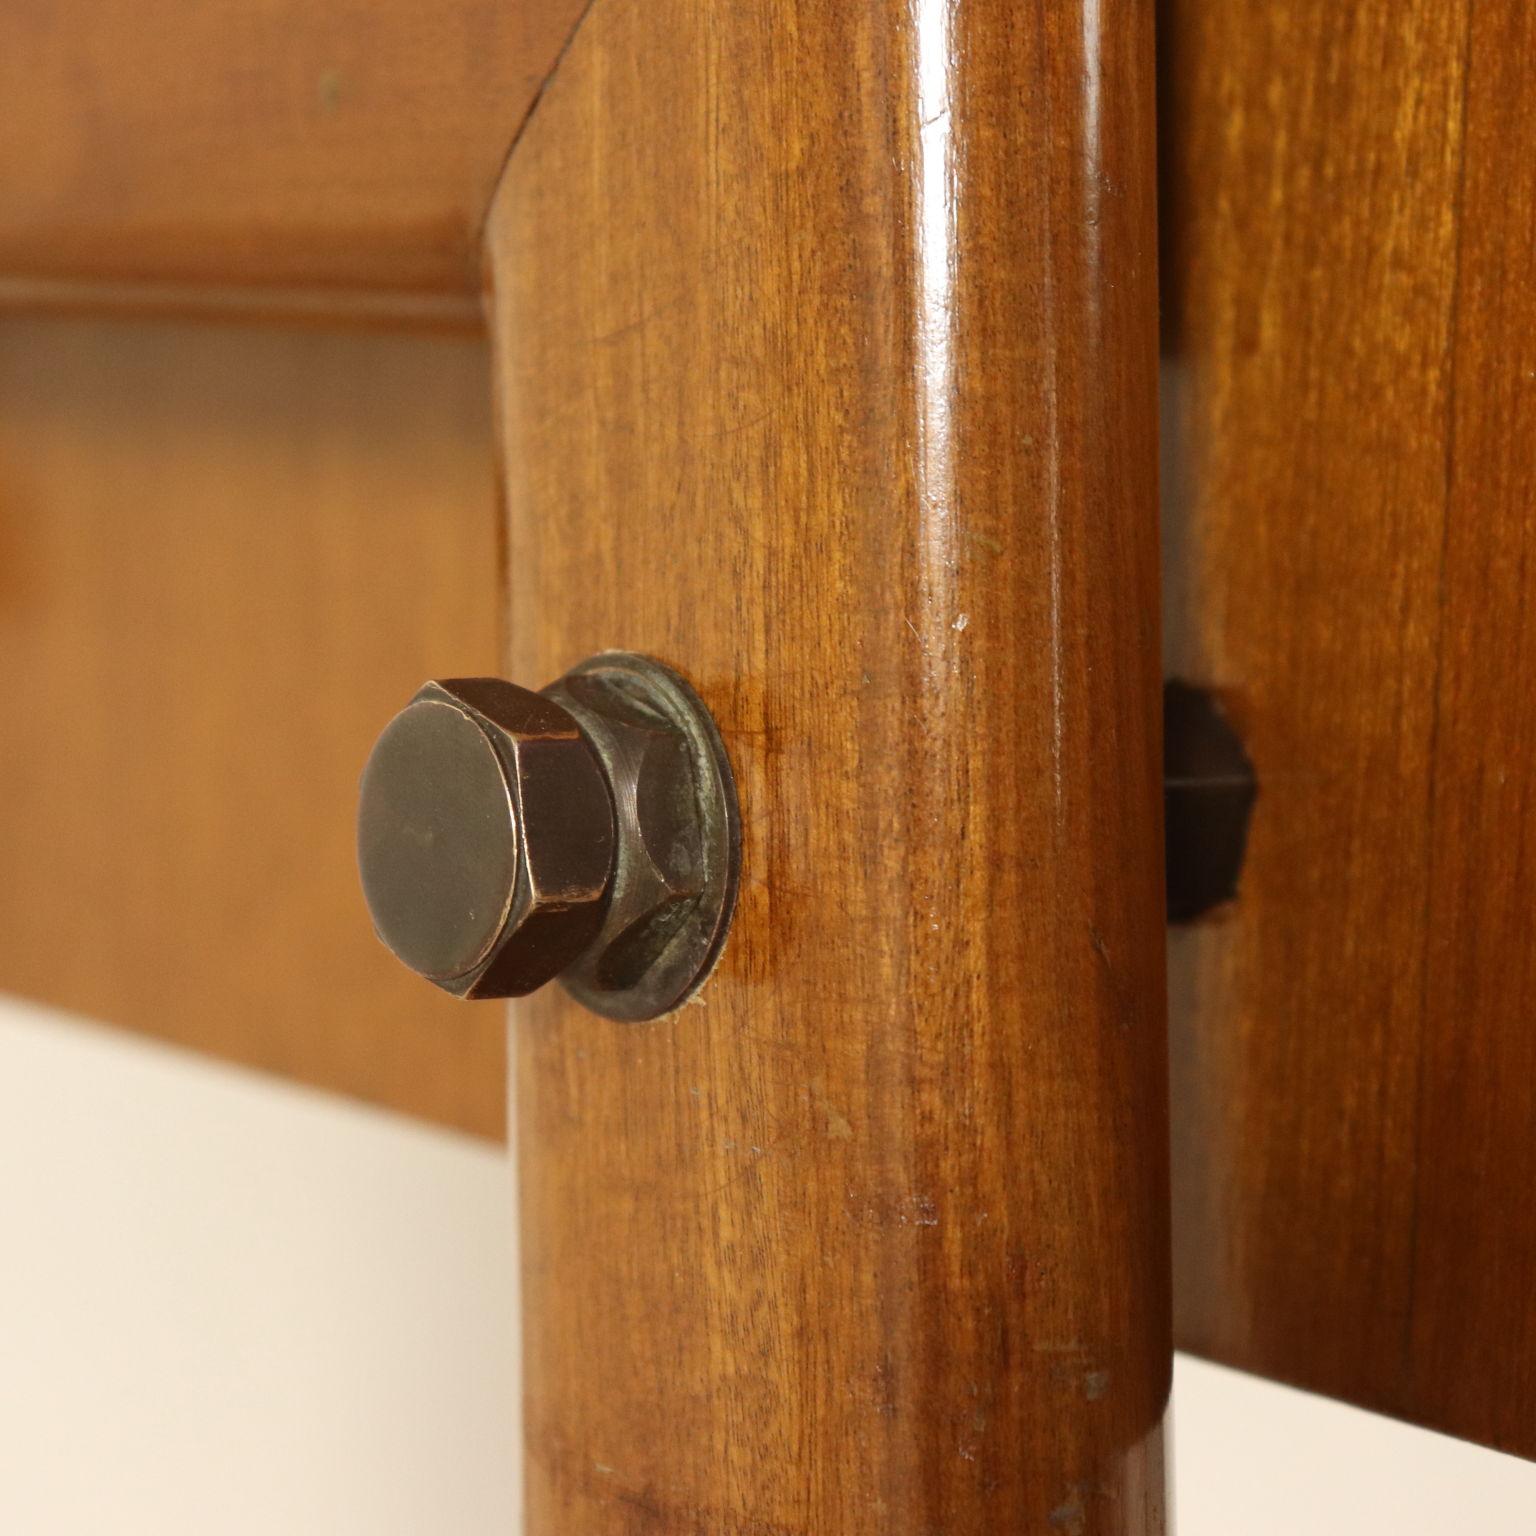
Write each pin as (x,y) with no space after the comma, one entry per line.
(827,345)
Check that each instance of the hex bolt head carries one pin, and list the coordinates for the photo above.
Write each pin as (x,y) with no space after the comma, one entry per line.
(485,837)
(1209,789)
(588,832)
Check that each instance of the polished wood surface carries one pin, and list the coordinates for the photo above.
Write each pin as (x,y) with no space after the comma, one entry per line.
(226,556)
(261,155)
(1350,313)
(826,343)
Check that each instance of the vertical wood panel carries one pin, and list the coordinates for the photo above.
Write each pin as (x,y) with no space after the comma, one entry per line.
(225,557)
(1348,215)
(1474,1322)
(827,349)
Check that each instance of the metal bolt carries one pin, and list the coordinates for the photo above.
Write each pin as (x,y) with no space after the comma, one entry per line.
(485,837)
(1208,795)
(508,837)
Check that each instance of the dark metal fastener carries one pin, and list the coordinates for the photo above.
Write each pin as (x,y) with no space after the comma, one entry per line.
(1208,793)
(588,832)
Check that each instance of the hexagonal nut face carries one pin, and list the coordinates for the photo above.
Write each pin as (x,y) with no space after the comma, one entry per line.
(486,837)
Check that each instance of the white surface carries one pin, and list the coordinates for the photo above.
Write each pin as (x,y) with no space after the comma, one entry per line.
(1255,1459)
(229,1306)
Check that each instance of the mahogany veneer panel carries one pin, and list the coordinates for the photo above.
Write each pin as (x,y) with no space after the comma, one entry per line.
(226,557)
(1351,334)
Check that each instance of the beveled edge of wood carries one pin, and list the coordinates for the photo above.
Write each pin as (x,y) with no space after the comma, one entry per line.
(381,308)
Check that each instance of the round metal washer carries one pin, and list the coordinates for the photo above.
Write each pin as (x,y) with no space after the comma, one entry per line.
(650,958)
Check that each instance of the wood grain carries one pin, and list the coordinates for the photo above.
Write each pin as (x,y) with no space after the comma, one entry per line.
(826,345)
(261,154)
(226,556)
(1349,212)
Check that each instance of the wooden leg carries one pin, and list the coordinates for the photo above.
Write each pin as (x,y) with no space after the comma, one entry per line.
(827,344)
